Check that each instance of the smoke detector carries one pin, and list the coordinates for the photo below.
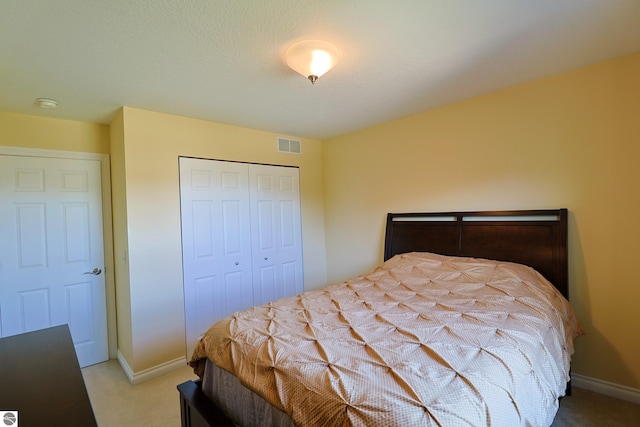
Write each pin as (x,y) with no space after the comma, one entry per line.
(47,103)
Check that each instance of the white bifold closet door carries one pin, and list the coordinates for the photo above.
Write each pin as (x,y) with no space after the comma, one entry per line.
(241,238)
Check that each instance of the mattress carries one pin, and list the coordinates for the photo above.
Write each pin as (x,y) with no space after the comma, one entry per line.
(423,339)
(242,406)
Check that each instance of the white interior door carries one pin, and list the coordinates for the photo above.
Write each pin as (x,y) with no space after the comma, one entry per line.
(216,244)
(52,252)
(276,232)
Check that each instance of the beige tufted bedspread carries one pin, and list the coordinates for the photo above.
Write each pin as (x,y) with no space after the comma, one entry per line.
(422,340)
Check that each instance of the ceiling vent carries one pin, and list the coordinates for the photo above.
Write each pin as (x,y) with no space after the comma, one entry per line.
(286,145)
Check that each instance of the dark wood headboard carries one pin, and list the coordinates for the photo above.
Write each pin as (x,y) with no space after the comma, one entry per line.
(537,238)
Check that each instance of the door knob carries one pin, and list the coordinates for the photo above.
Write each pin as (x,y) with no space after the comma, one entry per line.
(96,271)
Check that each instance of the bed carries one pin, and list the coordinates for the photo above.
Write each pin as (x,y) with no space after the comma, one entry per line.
(459,326)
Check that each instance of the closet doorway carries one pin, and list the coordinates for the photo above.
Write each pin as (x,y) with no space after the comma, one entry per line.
(241,238)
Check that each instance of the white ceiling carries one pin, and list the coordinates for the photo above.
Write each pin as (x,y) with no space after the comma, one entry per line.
(223,60)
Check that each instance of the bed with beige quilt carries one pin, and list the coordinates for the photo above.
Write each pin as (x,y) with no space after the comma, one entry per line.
(425,339)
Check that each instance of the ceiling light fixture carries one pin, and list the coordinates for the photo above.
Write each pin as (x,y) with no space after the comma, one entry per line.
(312,58)
(47,103)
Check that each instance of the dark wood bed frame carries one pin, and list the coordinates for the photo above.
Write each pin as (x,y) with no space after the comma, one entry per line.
(537,238)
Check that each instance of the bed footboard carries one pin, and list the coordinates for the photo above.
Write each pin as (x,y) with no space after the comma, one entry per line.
(196,410)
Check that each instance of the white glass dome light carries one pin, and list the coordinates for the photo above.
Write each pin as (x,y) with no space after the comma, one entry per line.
(312,58)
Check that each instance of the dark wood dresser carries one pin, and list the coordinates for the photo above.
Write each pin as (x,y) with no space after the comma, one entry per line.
(40,379)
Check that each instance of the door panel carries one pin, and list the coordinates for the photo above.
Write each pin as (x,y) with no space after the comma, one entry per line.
(265,222)
(30,235)
(79,295)
(33,312)
(208,297)
(51,228)
(216,248)
(77,232)
(242,243)
(233,227)
(277,242)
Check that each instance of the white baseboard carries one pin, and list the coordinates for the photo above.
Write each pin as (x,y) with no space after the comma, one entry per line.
(150,373)
(608,389)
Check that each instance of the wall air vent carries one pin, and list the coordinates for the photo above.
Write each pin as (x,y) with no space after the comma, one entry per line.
(289,145)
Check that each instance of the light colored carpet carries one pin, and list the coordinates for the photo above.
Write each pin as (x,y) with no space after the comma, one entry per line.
(155,403)
(585,408)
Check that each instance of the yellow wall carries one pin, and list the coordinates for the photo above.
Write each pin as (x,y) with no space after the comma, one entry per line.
(144,149)
(42,133)
(572,140)
(21,130)
(152,143)
(120,236)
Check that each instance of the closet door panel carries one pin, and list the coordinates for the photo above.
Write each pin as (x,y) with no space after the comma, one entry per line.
(277,238)
(265,224)
(290,232)
(290,278)
(265,248)
(207,297)
(265,287)
(242,239)
(234,231)
(235,294)
(216,246)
